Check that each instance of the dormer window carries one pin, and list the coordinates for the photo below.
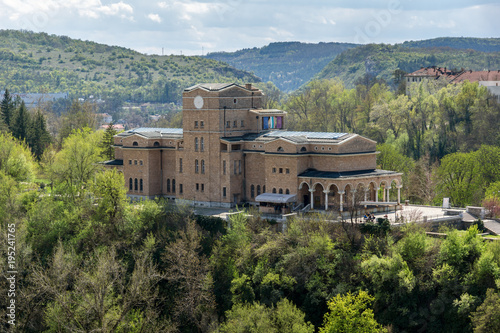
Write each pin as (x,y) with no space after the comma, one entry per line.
(135,143)
(281,149)
(156,144)
(303,149)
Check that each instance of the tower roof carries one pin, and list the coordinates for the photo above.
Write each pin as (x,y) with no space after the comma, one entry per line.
(219,86)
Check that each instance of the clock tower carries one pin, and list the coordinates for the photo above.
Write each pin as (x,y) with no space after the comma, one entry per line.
(207,166)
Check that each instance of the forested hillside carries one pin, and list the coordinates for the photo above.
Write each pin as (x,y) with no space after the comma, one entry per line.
(288,65)
(477,44)
(381,60)
(38,62)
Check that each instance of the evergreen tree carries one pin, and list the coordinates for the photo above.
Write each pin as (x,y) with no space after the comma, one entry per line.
(108,151)
(38,135)
(21,123)
(7,108)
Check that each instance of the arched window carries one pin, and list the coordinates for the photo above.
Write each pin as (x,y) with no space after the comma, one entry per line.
(274,190)
(252,191)
(135,184)
(135,143)
(258,189)
(287,191)
(195,144)
(130,187)
(264,189)
(168,185)
(173,185)
(281,149)
(203,166)
(280,191)
(303,149)
(202,144)
(156,144)
(196,167)
(140,185)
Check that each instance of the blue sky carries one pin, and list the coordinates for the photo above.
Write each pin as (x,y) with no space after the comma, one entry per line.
(194,26)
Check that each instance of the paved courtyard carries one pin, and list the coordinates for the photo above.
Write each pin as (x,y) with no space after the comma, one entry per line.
(410,212)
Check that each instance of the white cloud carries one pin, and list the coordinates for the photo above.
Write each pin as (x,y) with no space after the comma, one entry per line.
(154,18)
(119,9)
(15,9)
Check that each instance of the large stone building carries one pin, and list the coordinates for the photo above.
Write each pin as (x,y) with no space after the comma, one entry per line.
(231,150)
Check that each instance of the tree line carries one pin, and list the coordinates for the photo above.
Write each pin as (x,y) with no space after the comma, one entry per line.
(30,127)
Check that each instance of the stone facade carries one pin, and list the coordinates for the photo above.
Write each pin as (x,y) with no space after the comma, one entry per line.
(230,150)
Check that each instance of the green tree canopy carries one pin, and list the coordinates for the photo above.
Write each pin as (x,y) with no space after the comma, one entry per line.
(351,313)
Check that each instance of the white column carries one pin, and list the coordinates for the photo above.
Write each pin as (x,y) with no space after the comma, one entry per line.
(383,194)
(326,199)
(376,193)
(341,200)
(399,193)
(388,197)
(312,198)
(366,193)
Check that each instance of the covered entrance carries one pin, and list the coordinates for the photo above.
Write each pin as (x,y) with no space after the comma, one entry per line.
(274,203)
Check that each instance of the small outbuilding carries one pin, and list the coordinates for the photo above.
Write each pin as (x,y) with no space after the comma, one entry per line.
(274,203)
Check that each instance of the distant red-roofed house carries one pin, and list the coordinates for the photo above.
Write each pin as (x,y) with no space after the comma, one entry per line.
(117,127)
(105,117)
(489,79)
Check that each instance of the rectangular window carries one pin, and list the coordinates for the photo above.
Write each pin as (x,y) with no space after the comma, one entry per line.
(202,187)
(140,162)
(196,124)
(202,124)
(224,192)
(239,167)
(281,170)
(140,185)
(235,167)
(228,124)
(130,162)
(242,123)
(135,162)
(274,170)
(180,188)
(235,123)
(197,187)
(180,165)
(224,167)
(287,170)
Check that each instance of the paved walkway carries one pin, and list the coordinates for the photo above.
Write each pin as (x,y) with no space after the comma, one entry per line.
(408,213)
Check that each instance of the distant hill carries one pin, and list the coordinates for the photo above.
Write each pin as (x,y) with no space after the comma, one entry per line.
(380,60)
(478,44)
(287,64)
(37,62)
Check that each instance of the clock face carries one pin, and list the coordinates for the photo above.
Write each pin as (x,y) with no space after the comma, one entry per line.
(198,102)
